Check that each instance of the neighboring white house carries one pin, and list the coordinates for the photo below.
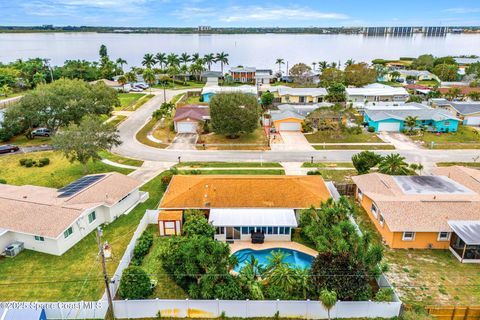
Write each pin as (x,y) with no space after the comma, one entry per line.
(52,221)
(376,93)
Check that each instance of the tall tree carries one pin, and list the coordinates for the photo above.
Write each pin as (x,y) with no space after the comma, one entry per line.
(411,122)
(209,59)
(359,75)
(83,142)
(394,164)
(103,51)
(328,299)
(365,160)
(149,77)
(222,57)
(184,58)
(122,80)
(148,60)
(300,72)
(234,113)
(121,62)
(330,76)
(280,61)
(322,65)
(172,60)
(161,59)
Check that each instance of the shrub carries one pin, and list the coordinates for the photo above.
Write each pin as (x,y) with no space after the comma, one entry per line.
(371,129)
(40,164)
(384,295)
(314,173)
(135,283)
(44,161)
(22,161)
(306,127)
(142,247)
(195,172)
(29,163)
(3,181)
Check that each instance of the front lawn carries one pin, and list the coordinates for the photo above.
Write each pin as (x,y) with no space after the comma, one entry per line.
(464,138)
(119,159)
(128,99)
(256,137)
(355,147)
(338,176)
(76,275)
(234,171)
(143,133)
(229,164)
(57,174)
(193,100)
(465,164)
(180,84)
(327,165)
(427,277)
(22,141)
(342,137)
(428,83)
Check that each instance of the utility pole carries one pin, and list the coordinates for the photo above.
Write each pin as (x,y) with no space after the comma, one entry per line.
(104,268)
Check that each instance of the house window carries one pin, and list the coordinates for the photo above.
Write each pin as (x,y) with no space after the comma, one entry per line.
(67,232)
(359,194)
(92,216)
(287,230)
(245,230)
(408,236)
(443,236)
(447,123)
(270,230)
(275,230)
(281,230)
(301,99)
(220,230)
(374,211)
(320,99)
(39,238)
(381,220)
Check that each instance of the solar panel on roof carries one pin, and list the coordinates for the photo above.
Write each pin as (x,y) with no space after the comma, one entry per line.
(78,185)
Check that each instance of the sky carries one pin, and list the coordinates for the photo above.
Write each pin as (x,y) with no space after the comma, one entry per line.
(240,13)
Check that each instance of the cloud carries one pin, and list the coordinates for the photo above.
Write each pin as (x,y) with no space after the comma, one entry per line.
(257,13)
(462,10)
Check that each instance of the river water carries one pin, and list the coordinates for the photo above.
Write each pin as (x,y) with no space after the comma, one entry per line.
(259,50)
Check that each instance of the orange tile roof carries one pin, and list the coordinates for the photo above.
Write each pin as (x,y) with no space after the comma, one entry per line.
(223,191)
(170,215)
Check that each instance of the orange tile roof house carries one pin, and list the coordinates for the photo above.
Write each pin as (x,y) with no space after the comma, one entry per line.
(417,211)
(240,205)
(52,221)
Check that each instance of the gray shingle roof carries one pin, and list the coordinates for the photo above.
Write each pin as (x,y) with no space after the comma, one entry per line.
(280,115)
(402,113)
(464,108)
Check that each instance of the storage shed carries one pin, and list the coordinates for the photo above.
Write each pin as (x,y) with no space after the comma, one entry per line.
(170,223)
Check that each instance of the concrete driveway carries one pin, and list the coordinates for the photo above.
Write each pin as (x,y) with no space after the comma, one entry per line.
(184,141)
(399,140)
(292,141)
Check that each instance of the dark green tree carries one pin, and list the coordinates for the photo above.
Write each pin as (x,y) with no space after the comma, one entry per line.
(336,93)
(234,113)
(365,160)
(359,75)
(267,99)
(135,284)
(197,224)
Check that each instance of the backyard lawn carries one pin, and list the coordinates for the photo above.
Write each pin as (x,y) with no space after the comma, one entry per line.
(128,99)
(342,137)
(465,137)
(57,174)
(427,277)
(76,275)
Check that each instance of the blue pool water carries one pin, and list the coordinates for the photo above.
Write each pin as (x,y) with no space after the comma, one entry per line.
(294,258)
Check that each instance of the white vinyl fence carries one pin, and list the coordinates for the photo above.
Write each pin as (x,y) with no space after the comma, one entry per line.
(131,309)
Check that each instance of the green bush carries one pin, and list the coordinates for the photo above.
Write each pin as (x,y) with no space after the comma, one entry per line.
(40,164)
(135,284)
(195,172)
(384,295)
(142,247)
(22,161)
(3,181)
(314,173)
(29,163)
(44,161)
(371,129)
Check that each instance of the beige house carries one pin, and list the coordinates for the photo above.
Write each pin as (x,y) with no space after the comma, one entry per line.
(284,94)
(52,221)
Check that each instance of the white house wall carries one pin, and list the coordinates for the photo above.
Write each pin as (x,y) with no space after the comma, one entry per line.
(5,240)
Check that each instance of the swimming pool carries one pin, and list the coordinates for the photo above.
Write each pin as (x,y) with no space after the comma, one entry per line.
(293,257)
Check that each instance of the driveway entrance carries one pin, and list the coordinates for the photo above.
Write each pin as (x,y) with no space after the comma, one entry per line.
(292,141)
(184,141)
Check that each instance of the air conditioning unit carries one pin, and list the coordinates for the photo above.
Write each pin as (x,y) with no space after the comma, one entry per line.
(13,249)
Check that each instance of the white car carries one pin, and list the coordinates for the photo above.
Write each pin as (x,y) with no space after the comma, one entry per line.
(134,89)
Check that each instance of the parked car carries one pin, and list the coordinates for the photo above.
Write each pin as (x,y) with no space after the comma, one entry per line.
(41,132)
(135,90)
(8,148)
(141,85)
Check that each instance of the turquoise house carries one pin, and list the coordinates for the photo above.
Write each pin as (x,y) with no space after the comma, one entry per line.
(210,91)
(392,118)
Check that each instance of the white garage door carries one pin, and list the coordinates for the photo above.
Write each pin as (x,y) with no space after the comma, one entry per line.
(389,126)
(186,127)
(290,126)
(472,121)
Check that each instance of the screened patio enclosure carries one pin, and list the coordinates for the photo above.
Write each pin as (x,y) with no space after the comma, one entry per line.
(239,224)
(465,241)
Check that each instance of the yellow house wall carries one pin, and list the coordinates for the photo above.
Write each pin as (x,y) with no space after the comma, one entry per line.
(276,124)
(394,240)
(296,99)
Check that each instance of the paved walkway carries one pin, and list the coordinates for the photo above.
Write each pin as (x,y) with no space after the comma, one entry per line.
(293,168)
(292,141)
(119,165)
(399,140)
(150,169)
(240,245)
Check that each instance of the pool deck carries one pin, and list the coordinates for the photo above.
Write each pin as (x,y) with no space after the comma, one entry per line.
(240,245)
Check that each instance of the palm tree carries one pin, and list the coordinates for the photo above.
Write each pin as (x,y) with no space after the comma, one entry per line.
(349,62)
(394,164)
(394,75)
(453,93)
(322,65)
(411,122)
(280,61)
(172,60)
(149,77)
(161,59)
(283,277)
(184,58)
(248,277)
(131,76)
(184,71)
(121,62)
(148,60)
(209,59)
(328,299)
(195,56)
(173,71)
(123,81)
(196,69)
(303,281)
(333,65)
(222,57)
(275,260)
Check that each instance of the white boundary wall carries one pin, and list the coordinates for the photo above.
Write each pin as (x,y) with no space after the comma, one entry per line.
(131,309)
